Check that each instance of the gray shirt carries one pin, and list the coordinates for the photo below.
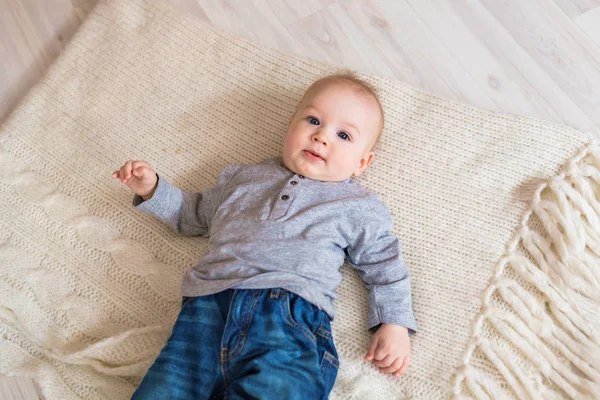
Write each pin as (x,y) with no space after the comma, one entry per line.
(269,227)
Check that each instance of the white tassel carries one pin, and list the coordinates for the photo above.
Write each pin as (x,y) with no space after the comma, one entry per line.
(557,327)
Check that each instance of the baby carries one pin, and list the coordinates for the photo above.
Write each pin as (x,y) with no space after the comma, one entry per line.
(256,309)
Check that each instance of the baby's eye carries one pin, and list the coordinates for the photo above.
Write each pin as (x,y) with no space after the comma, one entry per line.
(311,119)
(344,135)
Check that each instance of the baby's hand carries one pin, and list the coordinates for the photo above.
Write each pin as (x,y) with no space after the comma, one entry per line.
(139,177)
(390,349)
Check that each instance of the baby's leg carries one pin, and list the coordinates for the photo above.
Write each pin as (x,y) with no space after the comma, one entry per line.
(278,346)
(188,365)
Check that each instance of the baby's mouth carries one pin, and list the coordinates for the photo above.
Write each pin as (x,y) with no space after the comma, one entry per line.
(313,156)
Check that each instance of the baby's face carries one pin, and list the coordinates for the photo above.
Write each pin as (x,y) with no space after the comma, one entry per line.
(338,123)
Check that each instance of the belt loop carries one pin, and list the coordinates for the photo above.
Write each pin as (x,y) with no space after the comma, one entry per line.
(274,293)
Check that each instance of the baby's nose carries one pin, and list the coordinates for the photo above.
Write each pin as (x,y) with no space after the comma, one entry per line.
(321,138)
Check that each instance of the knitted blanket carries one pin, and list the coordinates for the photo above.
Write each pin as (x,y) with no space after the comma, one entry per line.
(498,217)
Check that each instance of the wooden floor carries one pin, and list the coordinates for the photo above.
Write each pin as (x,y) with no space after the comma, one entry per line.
(538,58)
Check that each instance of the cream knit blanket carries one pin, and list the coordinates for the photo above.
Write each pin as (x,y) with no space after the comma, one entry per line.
(498,217)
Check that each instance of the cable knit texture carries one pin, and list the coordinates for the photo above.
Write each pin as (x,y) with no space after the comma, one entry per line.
(498,217)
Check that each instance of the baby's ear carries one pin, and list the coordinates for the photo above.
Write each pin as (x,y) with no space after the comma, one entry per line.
(364,163)
(291,119)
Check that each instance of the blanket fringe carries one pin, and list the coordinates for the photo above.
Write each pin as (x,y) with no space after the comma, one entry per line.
(544,298)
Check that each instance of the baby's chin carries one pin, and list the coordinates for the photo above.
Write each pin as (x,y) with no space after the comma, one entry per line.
(329,176)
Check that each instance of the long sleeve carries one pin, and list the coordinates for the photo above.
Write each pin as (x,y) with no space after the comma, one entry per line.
(377,255)
(187,213)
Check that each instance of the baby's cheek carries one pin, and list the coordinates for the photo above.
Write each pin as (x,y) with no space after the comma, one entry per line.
(292,141)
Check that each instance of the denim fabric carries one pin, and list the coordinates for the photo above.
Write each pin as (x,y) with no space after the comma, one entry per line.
(245,344)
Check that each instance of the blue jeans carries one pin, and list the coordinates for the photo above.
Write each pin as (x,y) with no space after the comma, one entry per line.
(245,344)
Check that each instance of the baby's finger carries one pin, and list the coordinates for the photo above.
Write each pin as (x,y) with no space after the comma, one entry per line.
(137,164)
(128,169)
(115,174)
(122,174)
(140,171)
(126,172)
(372,347)
(386,362)
(403,367)
(394,367)
(381,352)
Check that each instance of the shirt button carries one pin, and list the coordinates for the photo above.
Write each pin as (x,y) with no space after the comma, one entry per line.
(300,176)
(285,197)
(293,182)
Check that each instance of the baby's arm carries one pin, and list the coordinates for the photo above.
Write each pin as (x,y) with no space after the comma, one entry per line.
(187,213)
(376,254)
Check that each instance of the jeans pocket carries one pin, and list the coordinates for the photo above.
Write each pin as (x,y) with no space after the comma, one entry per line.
(329,369)
(301,315)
